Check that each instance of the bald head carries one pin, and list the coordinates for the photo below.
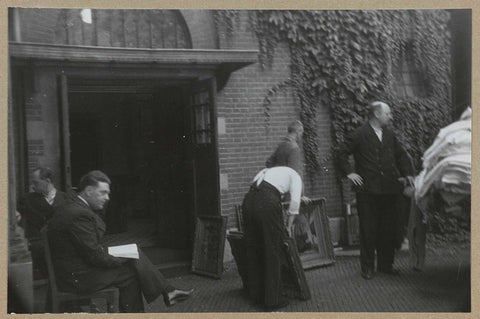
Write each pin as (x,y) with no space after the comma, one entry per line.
(380,113)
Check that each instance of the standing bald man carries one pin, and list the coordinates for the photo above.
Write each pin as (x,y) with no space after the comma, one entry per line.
(380,161)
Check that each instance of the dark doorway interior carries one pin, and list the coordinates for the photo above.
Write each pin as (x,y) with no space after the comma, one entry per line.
(138,140)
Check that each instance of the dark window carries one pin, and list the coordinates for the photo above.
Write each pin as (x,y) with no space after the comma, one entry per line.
(408,81)
(203,129)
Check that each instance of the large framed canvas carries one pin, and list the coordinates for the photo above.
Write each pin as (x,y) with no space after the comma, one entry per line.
(311,233)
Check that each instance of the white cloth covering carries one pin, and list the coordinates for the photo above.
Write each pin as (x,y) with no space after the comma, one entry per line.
(447,163)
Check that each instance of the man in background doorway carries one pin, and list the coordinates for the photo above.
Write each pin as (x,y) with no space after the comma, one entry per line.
(36,208)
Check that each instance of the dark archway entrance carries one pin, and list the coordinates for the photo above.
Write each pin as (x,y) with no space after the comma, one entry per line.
(155,140)
(139,140)
(131,106)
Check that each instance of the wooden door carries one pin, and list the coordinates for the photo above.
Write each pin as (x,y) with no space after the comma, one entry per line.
(65,132)
(210,225)
(204,153)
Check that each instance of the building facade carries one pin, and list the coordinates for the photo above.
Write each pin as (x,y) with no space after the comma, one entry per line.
(168,104)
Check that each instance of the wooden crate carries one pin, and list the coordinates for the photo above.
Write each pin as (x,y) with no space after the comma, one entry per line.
(209,245)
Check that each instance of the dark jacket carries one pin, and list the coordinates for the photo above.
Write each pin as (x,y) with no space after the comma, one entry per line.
(36,211)
(379,164)
(74,235)
(287,153)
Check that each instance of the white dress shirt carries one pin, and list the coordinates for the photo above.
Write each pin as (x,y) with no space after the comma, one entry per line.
(285,180)
(379,132)
(50,197)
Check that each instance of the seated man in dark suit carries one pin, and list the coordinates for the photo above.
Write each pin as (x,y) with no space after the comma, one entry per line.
(83,265)
(36,207)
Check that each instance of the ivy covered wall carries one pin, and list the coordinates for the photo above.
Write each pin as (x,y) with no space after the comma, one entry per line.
(344,59)
(341,60)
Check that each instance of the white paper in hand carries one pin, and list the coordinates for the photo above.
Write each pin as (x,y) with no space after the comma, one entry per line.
(125,251)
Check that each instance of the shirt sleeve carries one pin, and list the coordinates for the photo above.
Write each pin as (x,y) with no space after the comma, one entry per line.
(295,194)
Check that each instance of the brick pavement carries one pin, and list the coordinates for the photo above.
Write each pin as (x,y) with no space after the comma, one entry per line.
(444,286)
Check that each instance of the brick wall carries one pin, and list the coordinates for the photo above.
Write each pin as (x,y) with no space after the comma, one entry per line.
(201,27)
(325,183)
(38,25)
(247,143)
(41,122)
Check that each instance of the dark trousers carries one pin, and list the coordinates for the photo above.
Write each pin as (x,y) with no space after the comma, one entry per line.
(264,237)
(38,258)
(152,282)
(134,278)
(378,218)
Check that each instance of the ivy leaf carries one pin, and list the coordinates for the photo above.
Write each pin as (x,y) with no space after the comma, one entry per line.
(356,46)
(371,84)
(319,82)
(363,88)
(344,58)
(358,57)
(276,17)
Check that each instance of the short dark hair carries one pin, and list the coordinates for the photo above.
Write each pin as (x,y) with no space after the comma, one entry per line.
(92,179)
(373,107)
(44,172)
(294,126)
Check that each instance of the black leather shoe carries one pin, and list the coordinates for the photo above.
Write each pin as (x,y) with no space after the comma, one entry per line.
(389,271)
(367,274)
(176,296)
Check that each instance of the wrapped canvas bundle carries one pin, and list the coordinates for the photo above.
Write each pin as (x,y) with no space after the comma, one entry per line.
(447,174)
(447,164)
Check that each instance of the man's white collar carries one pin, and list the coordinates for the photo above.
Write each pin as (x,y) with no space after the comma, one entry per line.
(83,200)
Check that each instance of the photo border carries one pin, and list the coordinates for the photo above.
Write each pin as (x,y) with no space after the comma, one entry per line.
(240,4)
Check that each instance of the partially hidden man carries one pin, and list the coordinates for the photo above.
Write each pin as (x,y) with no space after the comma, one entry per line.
(380,160)
(36,208)
(288,153)
(83,265)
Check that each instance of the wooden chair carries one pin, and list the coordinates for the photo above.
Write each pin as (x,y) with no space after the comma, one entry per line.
(57,297)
